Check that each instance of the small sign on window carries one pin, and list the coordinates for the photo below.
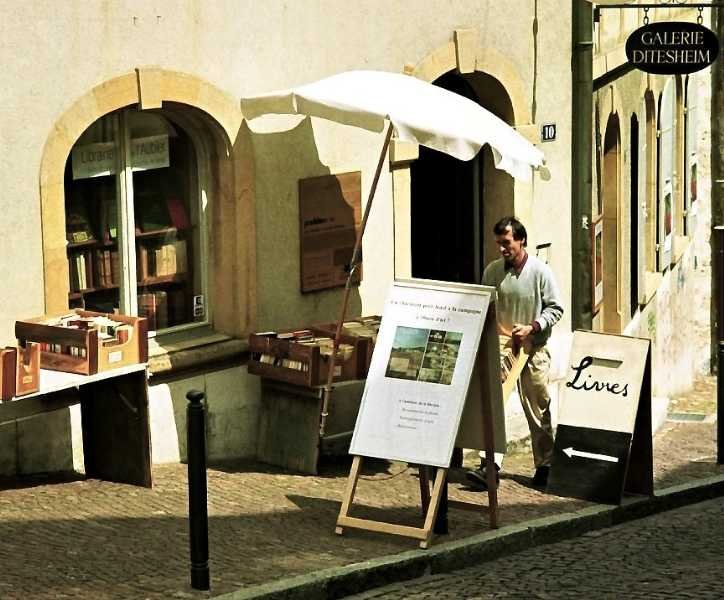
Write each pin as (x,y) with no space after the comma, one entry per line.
(199,310)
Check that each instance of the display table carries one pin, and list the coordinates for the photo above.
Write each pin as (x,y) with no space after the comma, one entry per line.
(289,423)
(114,418)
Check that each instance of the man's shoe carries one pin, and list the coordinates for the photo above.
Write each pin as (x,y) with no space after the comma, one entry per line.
(479,477)
(540,478)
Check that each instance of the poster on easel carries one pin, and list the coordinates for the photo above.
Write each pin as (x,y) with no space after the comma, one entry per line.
(420,372)
(603,444)
(433,339)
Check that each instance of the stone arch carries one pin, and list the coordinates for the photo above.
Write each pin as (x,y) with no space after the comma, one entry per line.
(219,116)
(487,60)
(497,86)
(612,242)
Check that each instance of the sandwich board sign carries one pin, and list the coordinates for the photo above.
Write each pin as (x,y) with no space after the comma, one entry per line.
(426,353)
(603,444)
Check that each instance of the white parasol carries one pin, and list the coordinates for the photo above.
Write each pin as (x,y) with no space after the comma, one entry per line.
(418,112)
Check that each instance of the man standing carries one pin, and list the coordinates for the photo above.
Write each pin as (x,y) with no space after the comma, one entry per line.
(527,307)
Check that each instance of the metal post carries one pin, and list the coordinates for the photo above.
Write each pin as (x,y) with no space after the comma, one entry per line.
(198,511)
(720,407)
(581,153)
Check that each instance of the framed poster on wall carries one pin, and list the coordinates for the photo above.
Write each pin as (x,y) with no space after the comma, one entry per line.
(329,217)
(597,256)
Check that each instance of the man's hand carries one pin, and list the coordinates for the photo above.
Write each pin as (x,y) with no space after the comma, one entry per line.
(521,333)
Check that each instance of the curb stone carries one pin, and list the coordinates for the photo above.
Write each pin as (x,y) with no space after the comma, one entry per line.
(337,582)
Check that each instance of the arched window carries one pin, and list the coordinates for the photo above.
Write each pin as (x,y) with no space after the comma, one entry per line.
(647,183)
(135,221)
(691,206)
(666,174)
(610,242)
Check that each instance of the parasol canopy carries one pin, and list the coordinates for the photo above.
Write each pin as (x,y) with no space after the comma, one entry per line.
(419,112)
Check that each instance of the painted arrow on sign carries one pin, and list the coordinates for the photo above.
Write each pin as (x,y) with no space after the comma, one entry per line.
(570,453)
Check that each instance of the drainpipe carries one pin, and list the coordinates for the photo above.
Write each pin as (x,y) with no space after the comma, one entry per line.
(717,192)
(582,103)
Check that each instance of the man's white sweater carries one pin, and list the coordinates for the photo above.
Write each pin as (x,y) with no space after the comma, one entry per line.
(523,298)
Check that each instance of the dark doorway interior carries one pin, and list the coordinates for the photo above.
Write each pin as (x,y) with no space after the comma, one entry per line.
(447,215)
(634,237)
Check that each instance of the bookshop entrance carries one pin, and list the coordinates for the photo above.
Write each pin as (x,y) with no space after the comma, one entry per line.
(455,203)
(134,220)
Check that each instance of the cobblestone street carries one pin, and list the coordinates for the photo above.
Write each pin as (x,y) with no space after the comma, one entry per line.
(94,539)
(675,554)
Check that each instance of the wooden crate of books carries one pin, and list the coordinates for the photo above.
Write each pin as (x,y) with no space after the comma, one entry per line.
(301,357)
(86,342)
(19,370)
(364,331)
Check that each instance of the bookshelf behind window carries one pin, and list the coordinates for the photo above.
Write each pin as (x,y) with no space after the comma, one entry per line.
(167,236)
(164,247)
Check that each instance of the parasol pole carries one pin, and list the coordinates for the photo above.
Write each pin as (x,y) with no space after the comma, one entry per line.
(353,265)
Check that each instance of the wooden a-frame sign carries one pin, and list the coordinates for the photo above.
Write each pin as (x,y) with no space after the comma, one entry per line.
(393,420)
(603,446)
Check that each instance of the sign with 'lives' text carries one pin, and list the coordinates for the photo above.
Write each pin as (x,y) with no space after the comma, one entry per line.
(604,422)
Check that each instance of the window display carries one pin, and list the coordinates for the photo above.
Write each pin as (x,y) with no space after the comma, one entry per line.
(151,182)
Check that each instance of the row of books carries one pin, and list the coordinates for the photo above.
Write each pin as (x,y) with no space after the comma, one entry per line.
(80,267)
(101,268)
(154,306)
(93,268)
(287,363)
(163,308)
(107,268)
(160,261)
(304,337)
(62,349)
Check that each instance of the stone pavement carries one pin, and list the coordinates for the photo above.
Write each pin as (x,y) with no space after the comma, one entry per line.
(91,539)
(675,554)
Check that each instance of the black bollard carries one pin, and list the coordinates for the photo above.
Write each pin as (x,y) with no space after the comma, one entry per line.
(720,406)
(198,511)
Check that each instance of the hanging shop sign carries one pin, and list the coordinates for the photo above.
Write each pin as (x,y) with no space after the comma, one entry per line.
(672,47)
(96,160)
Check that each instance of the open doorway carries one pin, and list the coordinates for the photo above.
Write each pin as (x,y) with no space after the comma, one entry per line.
(455,203)
(611,204)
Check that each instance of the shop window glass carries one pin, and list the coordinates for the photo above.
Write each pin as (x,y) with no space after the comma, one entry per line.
(133,220)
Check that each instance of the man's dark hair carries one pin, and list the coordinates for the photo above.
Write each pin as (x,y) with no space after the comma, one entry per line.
(518,229)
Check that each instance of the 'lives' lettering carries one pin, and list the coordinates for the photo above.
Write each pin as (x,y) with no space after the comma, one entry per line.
(588,383)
